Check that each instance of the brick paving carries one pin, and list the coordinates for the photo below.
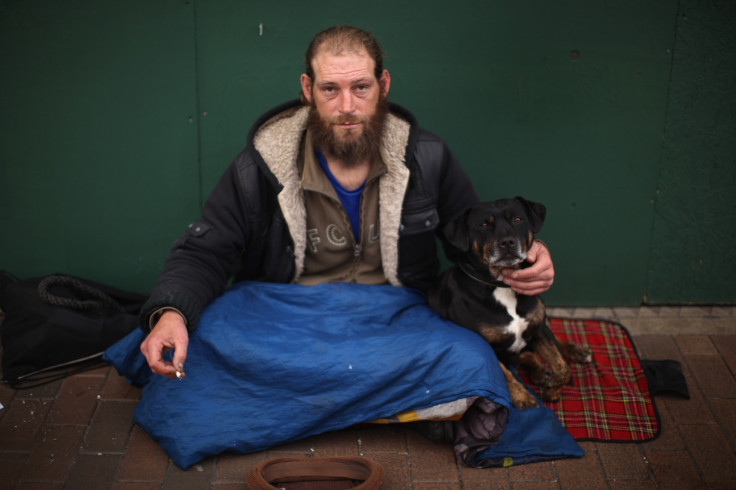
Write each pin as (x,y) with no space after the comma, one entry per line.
(78,433)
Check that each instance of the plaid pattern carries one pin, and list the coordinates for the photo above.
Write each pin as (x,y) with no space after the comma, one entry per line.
(608,399)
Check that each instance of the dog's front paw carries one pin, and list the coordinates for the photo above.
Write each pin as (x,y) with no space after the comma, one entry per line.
(551,394)
(552,388)
(576,353)
(522,399)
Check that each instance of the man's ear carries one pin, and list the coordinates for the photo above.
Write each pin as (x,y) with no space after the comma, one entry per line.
(385,82)
(306,83)
(456,232)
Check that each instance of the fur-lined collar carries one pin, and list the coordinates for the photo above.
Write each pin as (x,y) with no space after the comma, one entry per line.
(278,141)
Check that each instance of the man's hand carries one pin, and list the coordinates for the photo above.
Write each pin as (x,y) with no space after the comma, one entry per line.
(535,279)
(169,333)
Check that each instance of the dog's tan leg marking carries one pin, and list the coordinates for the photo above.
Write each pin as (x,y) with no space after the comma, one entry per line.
(538,374)
(560,370)
(520,396)
(494,334)
(537,316)
(575,352)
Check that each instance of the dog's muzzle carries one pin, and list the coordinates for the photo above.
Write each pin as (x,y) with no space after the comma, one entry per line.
(506,252)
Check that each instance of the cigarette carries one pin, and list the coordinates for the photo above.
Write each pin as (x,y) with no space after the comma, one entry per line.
(179,375)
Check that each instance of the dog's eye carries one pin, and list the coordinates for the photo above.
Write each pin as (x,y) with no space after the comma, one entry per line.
(517,220)
(485,224)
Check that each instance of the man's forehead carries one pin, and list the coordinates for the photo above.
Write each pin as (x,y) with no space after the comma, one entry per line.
(353,62)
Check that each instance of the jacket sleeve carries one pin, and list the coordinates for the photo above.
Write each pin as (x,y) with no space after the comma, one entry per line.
(456,194)
(439,190)
(204,258)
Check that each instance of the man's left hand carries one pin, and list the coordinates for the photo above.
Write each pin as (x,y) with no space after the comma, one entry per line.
(535,279)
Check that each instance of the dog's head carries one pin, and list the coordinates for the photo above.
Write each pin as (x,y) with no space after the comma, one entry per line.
(498,233)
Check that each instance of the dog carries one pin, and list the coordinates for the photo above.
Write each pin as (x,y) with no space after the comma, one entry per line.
(492,236)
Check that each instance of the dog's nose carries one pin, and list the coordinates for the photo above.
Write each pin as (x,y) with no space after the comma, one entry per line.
(508,243)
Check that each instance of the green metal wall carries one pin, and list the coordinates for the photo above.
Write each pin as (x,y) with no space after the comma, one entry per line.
(118,118)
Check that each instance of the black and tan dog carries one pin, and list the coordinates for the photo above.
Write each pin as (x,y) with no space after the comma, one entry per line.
(493,236)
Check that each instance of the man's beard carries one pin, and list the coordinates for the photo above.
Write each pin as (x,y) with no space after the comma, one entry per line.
(351,151)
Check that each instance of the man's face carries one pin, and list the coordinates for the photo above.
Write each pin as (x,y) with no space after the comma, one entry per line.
(347,101)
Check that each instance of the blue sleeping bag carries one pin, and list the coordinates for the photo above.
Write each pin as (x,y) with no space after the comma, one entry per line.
(273,363)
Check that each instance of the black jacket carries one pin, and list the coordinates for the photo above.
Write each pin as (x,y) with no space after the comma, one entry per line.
(252,225)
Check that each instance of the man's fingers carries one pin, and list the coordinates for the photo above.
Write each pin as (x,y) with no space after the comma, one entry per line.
(170,333)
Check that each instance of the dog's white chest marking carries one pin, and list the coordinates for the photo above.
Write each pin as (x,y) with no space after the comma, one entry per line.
(518,325)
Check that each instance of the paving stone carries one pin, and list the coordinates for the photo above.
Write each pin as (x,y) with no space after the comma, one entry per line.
(582,472)
(623,313)
(38,486)
(533,485)
(344,442)
(542,471)
(699,345)
(234,468)
(47,391)
(674,469)
(679,326)
(302,446)
(436,486)
(6,396)
(659,347)
(632,484)
(110,427)
(725,413)
(669,436)
(389,438)
(431,461)
(76,401)
(54,452)
(710,450)
(723,311)
(713,376)
(726,345)
(481,478)
(22,423)
(93,471)
(137,486)
(194,478)
(144,460)
(694,410)
(11,467)
(649,311)
(117,388)
(694,311)
(395,469)
(622,461)
(720,485)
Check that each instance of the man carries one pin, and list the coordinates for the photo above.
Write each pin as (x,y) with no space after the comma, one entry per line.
(342,186)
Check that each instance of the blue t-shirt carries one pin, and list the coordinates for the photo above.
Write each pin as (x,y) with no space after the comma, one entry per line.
(350,199)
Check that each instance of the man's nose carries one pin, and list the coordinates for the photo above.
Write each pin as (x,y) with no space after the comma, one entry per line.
(347,104)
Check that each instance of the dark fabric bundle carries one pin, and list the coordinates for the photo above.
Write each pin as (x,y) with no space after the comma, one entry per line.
(56,325)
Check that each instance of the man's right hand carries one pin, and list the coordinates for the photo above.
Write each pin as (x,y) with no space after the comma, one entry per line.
(169,333)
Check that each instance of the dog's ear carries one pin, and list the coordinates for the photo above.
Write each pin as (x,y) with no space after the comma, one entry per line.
(536,213)
(456,232)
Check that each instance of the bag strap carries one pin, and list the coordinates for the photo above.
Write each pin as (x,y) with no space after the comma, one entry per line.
(54,373)
(99,298)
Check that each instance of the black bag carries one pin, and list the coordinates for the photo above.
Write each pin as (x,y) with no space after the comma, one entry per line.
(57,325)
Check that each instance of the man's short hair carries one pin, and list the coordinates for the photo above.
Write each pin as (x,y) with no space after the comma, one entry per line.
(344,38)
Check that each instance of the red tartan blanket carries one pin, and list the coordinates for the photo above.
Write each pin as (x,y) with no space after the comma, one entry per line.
(609,399)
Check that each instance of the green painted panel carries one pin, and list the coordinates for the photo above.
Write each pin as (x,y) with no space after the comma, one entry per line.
(99,158)
(118,117)
(560,103)
(693,256)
